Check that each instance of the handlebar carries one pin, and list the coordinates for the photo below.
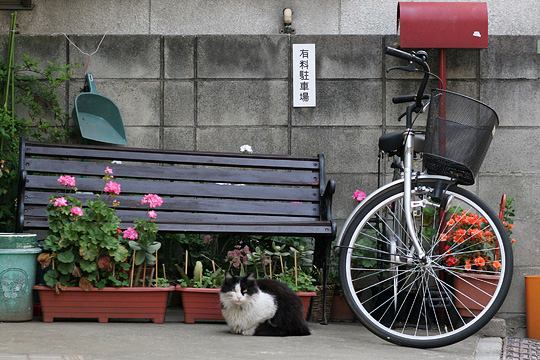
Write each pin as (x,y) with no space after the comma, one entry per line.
(407,98)
(419,58)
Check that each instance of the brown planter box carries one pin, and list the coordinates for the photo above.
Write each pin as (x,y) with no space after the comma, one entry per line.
(104,304)
(467,287)
(341,310)
(204,304)
(200,304)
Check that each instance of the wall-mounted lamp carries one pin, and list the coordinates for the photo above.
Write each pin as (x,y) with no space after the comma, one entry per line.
(287,22)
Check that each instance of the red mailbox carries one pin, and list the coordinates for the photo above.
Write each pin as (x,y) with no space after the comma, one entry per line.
(442,25)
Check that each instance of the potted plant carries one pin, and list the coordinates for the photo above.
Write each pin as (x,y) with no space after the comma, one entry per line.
(89,271)
(477,267)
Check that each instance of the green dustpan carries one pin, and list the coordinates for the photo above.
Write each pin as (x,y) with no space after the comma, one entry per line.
(98,117)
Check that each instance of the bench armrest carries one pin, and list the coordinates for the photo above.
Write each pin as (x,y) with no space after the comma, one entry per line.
(326,200)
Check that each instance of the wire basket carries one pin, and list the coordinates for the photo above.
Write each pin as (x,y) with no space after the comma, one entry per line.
(458,134)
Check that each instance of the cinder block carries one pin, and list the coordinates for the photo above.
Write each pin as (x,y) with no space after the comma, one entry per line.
(504,157)
(179,138)
(462,63)
(344,103)
(242,17)
(179,57)
(226,56)
(83,17)
(368,17)
(179,103)
(138,101)
(345,56)
(518,186)
(511,57)
(145,137)
(347,150)
(346,184)
(119,56)
(266,140)
(40,47)
(515,301)
(262,102)
(517,102)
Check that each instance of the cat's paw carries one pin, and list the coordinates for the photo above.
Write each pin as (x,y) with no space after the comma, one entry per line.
(248,332)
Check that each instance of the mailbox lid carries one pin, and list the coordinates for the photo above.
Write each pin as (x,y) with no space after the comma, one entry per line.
(442,25)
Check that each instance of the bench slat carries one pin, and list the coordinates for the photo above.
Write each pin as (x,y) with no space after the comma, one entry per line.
(187,217)
(315,228)
(183,188)
(154,171)
(256,207)
(127,154)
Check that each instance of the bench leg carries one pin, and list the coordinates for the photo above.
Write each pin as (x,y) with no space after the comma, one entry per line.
(320,259)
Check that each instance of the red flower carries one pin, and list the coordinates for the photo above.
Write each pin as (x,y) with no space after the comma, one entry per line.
(451,261)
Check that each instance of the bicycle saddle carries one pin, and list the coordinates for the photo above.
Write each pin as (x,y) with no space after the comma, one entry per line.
(393,143)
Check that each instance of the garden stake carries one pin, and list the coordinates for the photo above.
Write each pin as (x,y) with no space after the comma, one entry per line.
(144,274)
(156,267)
(281,261)
(270,265)
(295,271)
(185,265)
(164,272)
(132,269)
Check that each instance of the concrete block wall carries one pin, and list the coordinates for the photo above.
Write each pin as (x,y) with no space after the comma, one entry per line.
(218,92)
(195,17)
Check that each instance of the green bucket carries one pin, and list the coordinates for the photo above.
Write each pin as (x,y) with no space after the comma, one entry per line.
(17,276)
(17,241)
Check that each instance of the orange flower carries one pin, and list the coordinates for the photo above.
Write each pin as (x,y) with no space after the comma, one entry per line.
(451,261)
(514,241)
(496,265)
(468,265)
(459,235)
(479,261)
(450,222)
(476,233)
(443,237)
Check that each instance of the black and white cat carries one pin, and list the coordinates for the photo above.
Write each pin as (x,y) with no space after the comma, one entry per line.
(261,307)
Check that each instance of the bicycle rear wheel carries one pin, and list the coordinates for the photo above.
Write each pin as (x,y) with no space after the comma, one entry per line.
(438,301)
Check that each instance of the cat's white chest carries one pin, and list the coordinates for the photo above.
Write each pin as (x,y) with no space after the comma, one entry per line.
(244,319)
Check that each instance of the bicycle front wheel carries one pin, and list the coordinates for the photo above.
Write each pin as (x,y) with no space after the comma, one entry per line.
(435,301)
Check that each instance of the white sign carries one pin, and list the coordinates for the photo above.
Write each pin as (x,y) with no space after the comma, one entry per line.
(303,74)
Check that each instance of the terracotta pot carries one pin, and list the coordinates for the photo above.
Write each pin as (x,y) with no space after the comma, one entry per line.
(469,285)
(200,304)
(341,310)
(104,304)
(306,297)
(204,304)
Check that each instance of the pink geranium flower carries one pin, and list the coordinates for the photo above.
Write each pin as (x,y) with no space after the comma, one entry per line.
(76,211)
(152,214)
(359,195)
(152,200)
(59,202)
(131,234)
(108,171)
(112,187)
(66,180)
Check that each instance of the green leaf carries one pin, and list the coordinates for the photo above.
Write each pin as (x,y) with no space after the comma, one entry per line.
(152,248)
(150,259)
(66,256)
(65,269)
(51,278)
(134,245)
(88,266)
(139,257)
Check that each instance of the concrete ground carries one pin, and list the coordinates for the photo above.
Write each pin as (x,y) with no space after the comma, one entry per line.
(175,340)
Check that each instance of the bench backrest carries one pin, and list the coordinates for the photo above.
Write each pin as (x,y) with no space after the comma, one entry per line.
(203,192)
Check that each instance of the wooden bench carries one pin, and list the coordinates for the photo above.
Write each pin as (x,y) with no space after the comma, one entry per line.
(203,192)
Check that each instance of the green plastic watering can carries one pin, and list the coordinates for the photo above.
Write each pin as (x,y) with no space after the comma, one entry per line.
(97,116)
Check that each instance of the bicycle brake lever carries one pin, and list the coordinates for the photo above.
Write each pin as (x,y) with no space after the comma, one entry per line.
(402,116)
(408,68)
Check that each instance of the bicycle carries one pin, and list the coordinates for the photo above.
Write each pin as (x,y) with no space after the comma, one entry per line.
(399,248)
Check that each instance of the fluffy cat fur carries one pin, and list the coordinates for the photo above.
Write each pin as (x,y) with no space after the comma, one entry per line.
(261,307)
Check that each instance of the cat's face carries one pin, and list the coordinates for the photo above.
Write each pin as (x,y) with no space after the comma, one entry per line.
(239,290)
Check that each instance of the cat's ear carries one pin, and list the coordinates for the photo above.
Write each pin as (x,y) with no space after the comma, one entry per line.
(250,277)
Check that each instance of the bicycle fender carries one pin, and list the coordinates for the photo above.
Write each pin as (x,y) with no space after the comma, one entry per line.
(372,195)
